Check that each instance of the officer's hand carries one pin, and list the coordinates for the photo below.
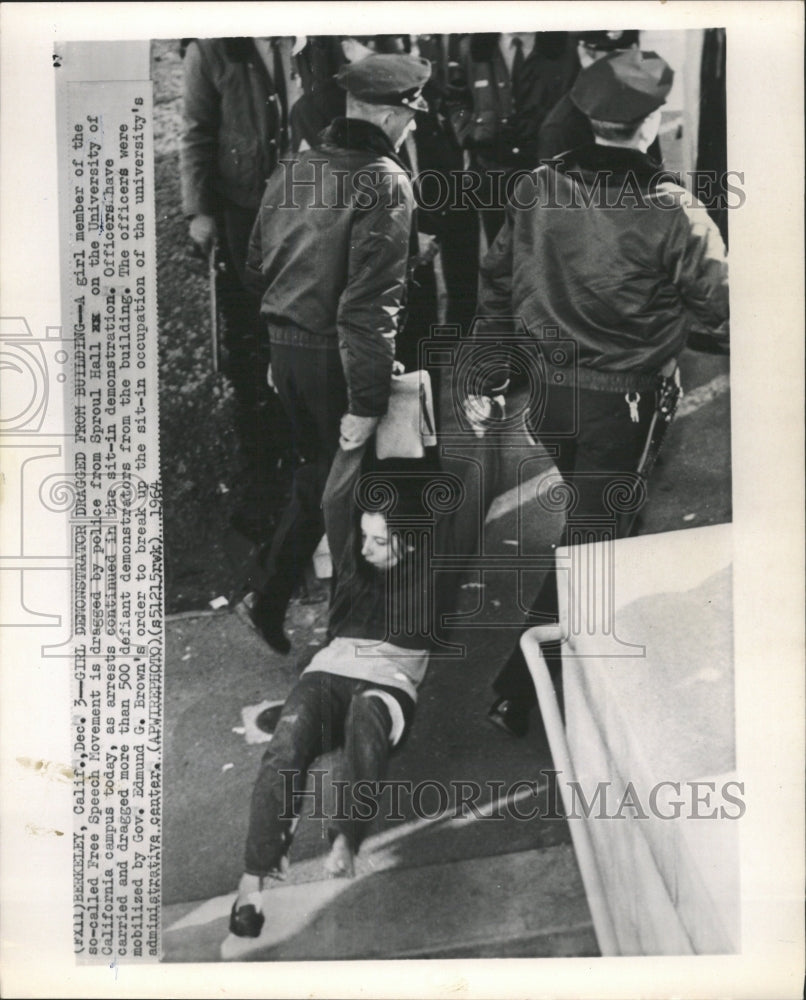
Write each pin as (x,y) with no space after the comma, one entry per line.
(482,411)
(203,232)
(427,248)
(354,431)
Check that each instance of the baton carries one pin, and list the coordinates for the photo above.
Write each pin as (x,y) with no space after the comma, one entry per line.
(669,394)
(212,272)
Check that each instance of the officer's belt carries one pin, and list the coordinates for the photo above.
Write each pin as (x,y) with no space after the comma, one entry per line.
(590,378)
(293,336)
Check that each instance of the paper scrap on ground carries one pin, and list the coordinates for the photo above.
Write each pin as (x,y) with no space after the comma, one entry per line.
(249,716)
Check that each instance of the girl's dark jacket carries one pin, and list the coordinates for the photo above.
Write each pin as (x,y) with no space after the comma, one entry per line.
(440,514)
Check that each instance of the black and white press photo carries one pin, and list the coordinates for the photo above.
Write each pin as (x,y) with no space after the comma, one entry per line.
(401,499)
(535,226)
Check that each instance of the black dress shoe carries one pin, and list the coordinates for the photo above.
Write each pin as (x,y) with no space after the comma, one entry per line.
(267,720)
(245,921)
(509,716)
(266,620)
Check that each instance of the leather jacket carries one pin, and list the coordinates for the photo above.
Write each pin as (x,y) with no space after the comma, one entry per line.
(500,131)
(233,130)
(330,250)
(613,254)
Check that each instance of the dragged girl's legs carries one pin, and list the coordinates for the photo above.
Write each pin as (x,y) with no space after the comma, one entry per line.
(310,725)
(375,722)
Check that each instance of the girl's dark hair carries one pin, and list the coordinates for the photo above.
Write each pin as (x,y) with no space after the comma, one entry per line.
(397,493)
(398,488)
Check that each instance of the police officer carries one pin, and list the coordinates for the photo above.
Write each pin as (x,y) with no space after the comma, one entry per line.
(511,82)
(624,264)
(237,95)
(329,252)
(565,126)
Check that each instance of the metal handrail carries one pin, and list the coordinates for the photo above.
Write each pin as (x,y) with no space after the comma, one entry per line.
(558,744)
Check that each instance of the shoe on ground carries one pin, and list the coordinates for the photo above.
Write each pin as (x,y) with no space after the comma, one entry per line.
(509,716)
(260,721)
(246,920)
(267,621)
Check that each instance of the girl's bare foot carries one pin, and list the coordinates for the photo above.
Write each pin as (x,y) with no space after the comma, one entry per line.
(249,890)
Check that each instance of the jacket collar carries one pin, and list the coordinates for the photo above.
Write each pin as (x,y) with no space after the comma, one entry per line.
(614,162)
(355,133)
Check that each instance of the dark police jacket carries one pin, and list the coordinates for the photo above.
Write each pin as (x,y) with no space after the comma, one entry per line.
(613,254)
(233,130)
(330,249)
(489,118)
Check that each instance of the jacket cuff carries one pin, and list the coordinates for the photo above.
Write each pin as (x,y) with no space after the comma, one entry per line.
(369,401)
(358,409)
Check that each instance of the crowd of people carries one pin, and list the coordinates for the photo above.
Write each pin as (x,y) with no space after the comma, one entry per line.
(361,191)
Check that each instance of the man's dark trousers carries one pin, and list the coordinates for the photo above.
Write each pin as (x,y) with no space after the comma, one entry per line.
(308,375)
(257,414)
(594,442)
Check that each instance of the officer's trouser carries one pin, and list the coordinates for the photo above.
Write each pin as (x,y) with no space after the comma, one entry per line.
(606,446)
(259,425)
(310,382)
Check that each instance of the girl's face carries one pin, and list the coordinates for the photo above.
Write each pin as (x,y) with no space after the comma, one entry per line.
(378,547)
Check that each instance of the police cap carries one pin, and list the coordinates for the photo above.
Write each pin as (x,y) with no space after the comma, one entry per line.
(624,87)
(608,41)
(395,80)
